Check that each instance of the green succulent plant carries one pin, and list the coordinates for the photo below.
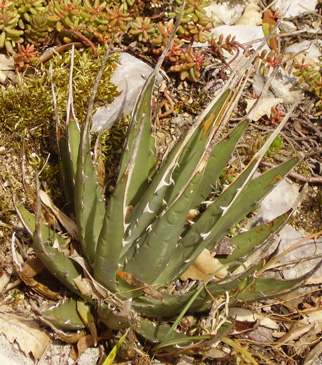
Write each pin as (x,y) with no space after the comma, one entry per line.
(133,248)
(310,79)
(194,24)
(9,35)
(37,29)
(66,14)
(127,3)
(29,8)
(190,64)
(142,28)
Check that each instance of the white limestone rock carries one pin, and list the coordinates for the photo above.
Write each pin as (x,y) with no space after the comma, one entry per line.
(293,8)
(129,77)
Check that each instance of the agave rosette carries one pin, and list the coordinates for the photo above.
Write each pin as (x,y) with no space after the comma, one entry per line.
(133,247)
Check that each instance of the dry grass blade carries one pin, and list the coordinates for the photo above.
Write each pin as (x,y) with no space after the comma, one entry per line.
(66,222)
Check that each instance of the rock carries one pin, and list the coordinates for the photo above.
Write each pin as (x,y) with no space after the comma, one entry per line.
(310,51)
(129,77)
(264,107)
(282,86)
(243,33)
(293,8)
(57,353)
(226,13)
(252,14)
(277,202)
(303,257)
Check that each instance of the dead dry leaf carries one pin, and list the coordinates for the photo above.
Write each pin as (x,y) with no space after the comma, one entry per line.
(4,280)
(246,315)
(139,284)
(85,286)
(294,334)
(203,267)
(264,107)
(26,333)
(314,281)
(313,356)
(32,267)
(83,344)
(67,223)
(315,316)
(213,353)
(6,64)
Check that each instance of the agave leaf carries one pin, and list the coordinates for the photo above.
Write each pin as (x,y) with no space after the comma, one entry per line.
(134,174)
(177,342)
(245,242)
(139,156)
(246,287)
(138,163)
(196,146)
(148,207)
(191,149)
(209,125)
(157,333)
(154,333)
(138,166)
(29,222)
(262,288)
(112,320)
(73,133)
(158,244)
(68,147)
(81,185)
(183,159)
(172,304)
(89,201)
(253,192)
(65,316)
(47,246)
(182,313)
(167,341)
(111,239)
(64,269)
(66,171)
(217,162)
(214,223)
(69,140)
(85,312)
(255,161)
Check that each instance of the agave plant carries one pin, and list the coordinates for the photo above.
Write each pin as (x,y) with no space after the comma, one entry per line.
(134,247)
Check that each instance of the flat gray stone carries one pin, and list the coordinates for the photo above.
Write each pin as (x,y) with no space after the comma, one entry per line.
(304,258)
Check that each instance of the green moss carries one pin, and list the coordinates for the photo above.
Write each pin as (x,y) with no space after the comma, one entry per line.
(303,169)
(192,103)
(309,213)
(27,112)
(29,104)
